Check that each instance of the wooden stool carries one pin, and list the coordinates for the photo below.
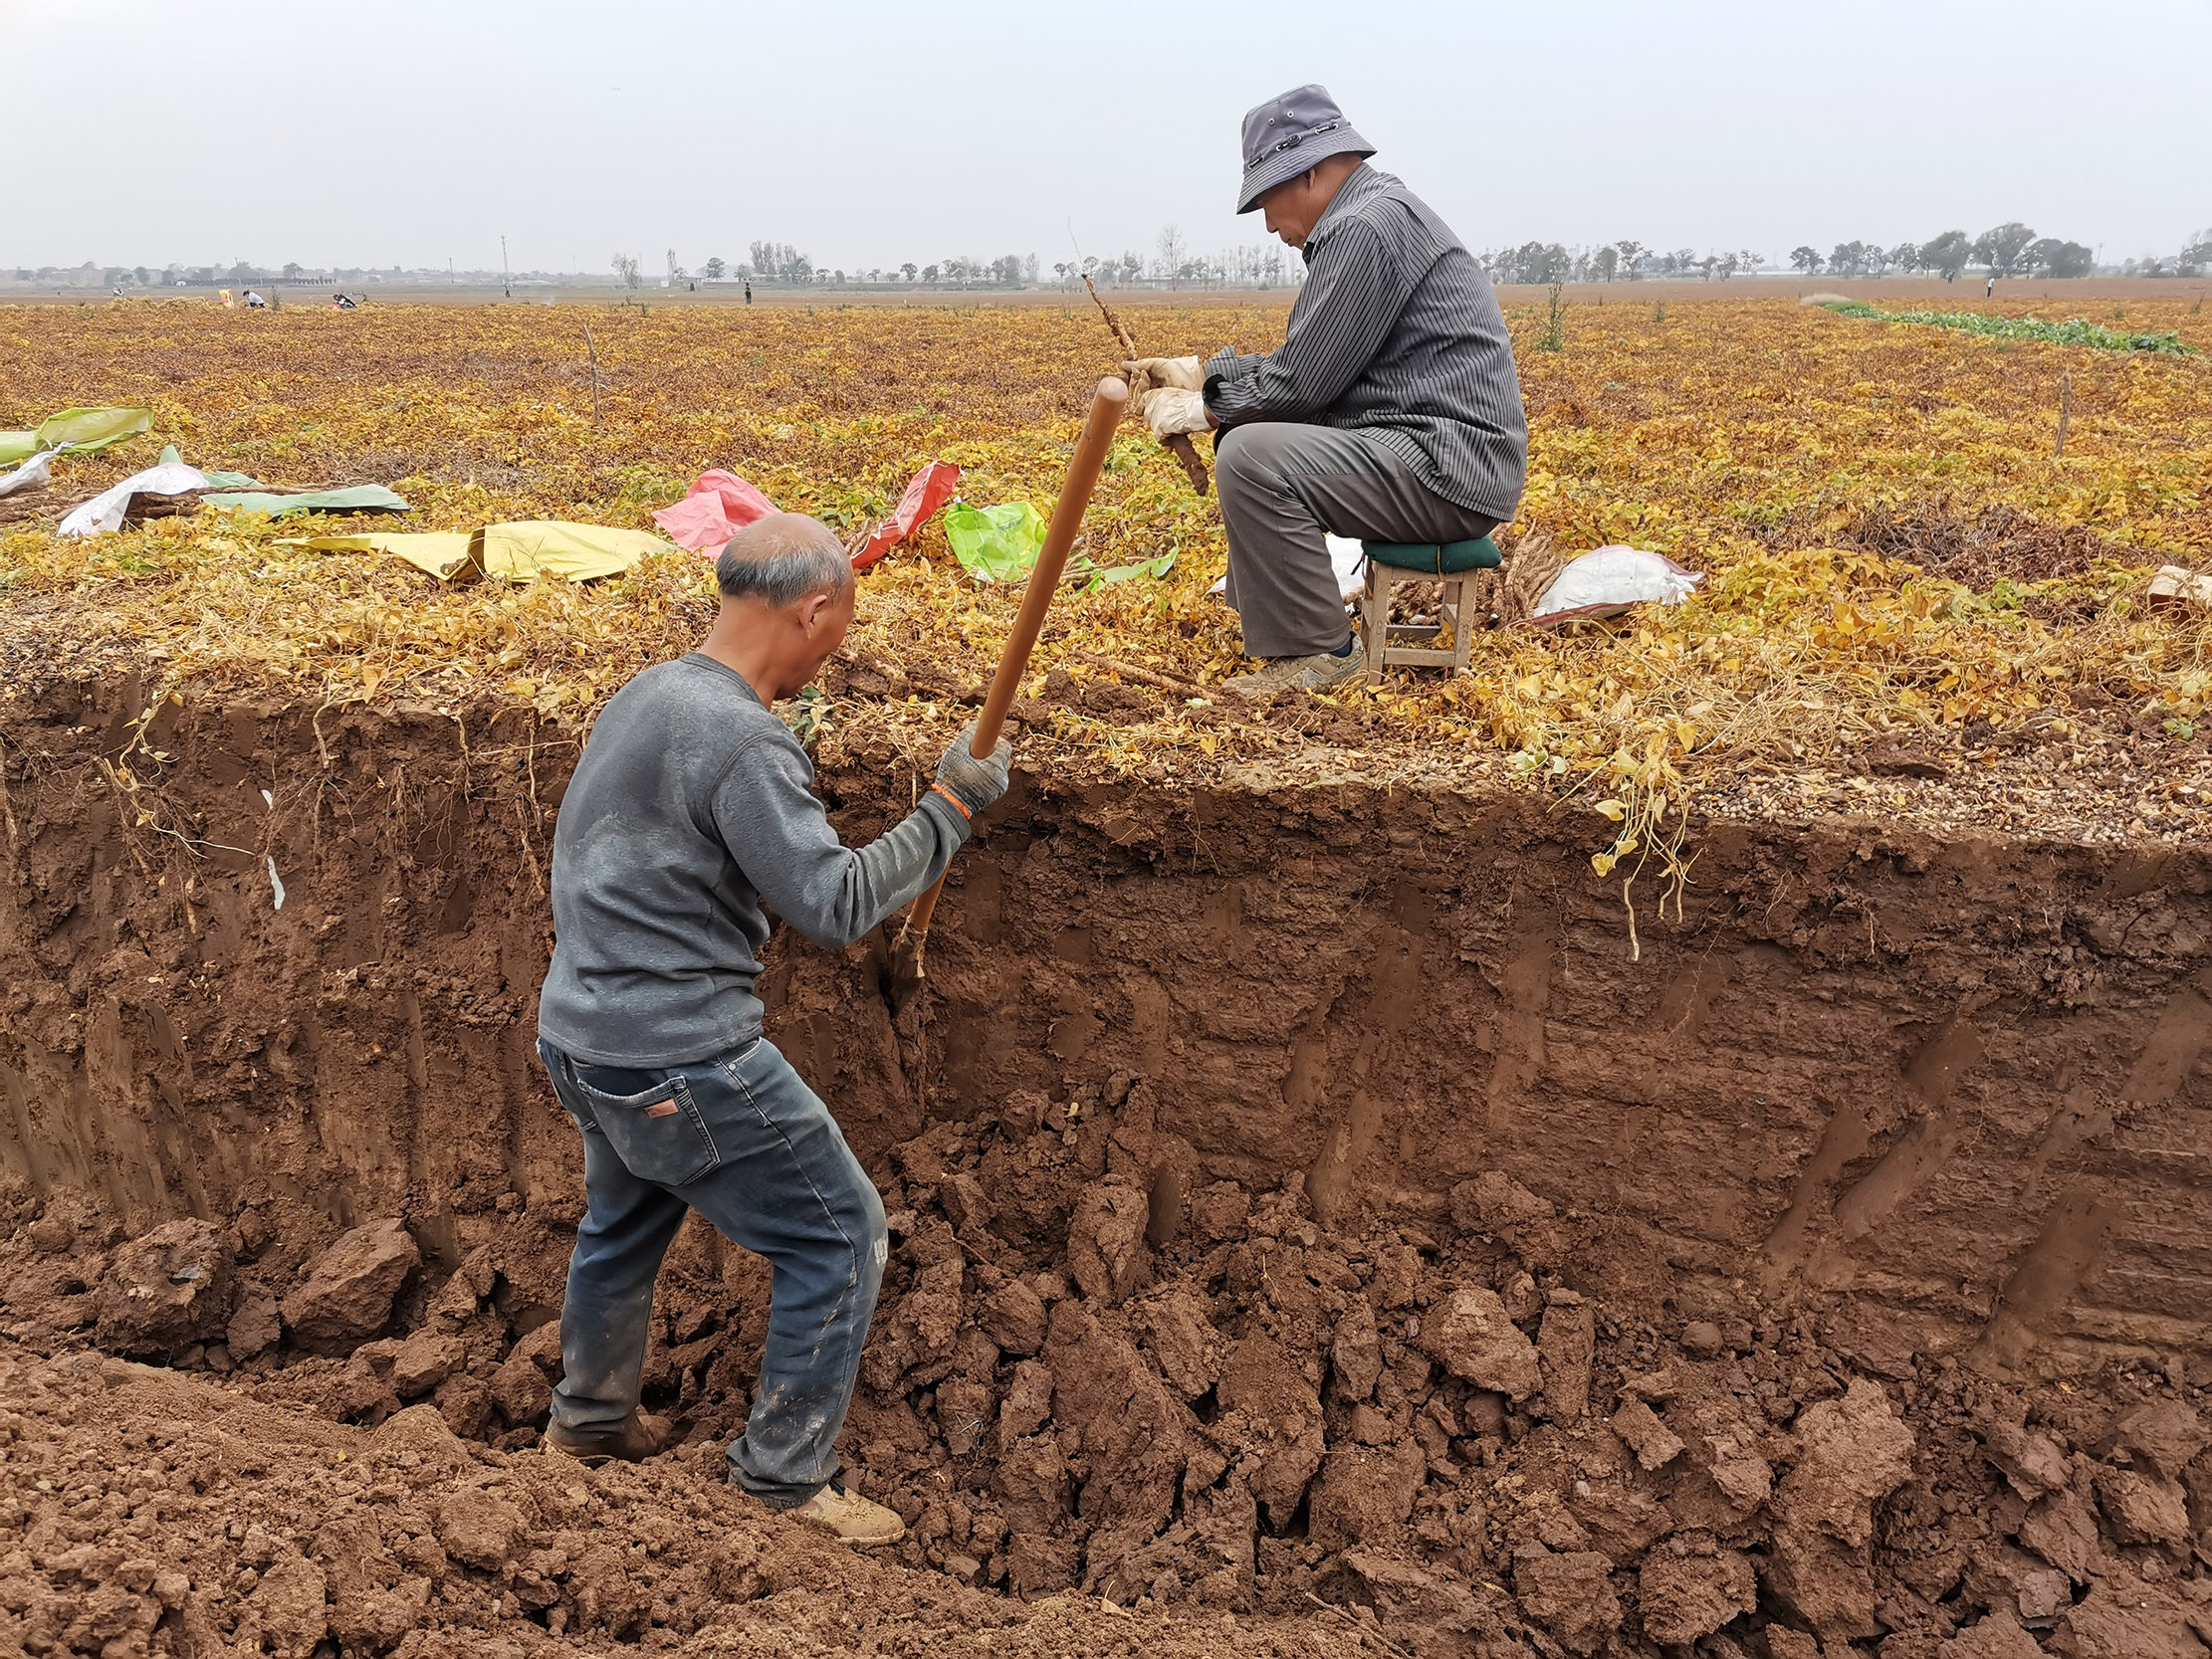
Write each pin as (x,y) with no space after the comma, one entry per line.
(1447,563)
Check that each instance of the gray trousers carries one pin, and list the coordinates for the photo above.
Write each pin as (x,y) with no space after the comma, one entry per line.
(1282,485)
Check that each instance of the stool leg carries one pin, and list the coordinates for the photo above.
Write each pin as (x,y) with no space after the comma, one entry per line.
(1375,626)
(1462,623)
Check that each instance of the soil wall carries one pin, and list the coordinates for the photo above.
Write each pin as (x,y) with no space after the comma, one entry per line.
(1297,1191)
(1956,1084)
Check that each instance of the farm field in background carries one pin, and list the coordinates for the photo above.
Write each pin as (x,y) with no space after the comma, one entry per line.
(1893,552)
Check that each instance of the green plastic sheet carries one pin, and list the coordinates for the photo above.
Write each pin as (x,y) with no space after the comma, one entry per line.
(215,480)
(75,431)
(995,543)
(1095,577)
(362,497)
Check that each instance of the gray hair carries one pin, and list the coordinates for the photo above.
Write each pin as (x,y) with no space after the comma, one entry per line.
(782,559)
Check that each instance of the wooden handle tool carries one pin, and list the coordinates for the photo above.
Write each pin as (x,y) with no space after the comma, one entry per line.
(904,976)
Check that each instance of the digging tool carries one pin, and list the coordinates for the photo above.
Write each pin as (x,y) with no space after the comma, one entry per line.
(1180,445)
(904,976)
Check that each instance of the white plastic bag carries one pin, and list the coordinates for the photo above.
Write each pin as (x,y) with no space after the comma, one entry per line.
(1611,579)
(1346,558)
(103,512)
(35,474)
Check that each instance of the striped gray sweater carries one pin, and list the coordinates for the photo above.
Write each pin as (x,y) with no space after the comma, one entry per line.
(1397,334)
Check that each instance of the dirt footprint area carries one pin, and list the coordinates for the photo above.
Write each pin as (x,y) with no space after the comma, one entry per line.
(150,1511)
(1314,1230)
(1261,1437)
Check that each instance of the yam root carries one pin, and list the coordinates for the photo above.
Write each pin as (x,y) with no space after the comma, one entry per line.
(1180,445)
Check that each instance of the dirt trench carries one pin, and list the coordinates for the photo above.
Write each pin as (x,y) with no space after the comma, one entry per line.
(1299,1193)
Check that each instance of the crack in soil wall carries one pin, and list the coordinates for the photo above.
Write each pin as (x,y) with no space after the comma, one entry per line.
(1296,1192)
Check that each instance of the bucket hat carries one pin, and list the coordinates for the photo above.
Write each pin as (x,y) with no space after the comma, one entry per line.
(1290,133)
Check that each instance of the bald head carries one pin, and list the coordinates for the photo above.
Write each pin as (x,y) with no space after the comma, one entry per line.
(783,559)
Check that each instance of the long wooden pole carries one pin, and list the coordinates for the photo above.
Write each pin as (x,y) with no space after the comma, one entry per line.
(906,972)
(591,345)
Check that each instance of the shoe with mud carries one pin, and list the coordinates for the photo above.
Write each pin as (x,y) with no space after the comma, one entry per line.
(850,1519)
(1322,673)
(635,1438)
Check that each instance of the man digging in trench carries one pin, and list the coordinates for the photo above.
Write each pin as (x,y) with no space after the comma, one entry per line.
(1391,412)
(690,812)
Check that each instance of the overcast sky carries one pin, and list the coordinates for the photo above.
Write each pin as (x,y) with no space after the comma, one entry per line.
(402,132)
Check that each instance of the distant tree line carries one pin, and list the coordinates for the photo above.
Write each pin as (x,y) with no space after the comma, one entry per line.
(2194,260)
(1626,261)
(2012,249)
(2008,250)
(240,273)
(1173,266)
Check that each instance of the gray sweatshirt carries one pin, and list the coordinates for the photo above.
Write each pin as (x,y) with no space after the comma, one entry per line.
(691,809)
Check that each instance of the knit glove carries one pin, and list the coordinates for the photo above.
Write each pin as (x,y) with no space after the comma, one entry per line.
(1169,410)
(1146,373)
(973,783)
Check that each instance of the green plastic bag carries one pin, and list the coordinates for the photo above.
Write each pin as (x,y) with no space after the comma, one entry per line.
(75,431)
(89,431)
(995,543)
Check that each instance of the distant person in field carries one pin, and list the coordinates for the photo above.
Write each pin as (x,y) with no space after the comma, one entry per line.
(1391,411)
(748,290)
(689,816)
(1989,289)
(255,302)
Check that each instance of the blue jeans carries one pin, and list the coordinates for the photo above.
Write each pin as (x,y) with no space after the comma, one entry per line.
(742,1141)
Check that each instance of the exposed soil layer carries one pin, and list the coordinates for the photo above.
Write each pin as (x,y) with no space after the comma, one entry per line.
(1299,1195)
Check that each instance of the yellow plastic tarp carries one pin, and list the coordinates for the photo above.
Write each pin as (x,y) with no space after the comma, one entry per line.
(516,552)
(548,547)
(443,553)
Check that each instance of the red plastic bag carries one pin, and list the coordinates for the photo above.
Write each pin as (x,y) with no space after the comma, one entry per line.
(717,506)
(926,491)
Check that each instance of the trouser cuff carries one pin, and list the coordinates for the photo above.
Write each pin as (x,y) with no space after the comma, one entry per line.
(778,1495)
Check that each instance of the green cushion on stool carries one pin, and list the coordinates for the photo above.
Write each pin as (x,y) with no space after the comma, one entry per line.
(1446,559)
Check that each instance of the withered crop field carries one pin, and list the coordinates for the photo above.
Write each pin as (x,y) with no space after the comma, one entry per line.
(1893,553)
(1335,1205)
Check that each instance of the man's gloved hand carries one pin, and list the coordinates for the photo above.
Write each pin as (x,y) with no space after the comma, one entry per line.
(973,783)
(1144,372)
(1169,410)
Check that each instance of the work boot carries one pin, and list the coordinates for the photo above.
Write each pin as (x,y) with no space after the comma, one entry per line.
(1321,673)
(634,1438)
(849,1518)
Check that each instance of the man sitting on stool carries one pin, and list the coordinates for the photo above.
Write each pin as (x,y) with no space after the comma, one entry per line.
(1391,411)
